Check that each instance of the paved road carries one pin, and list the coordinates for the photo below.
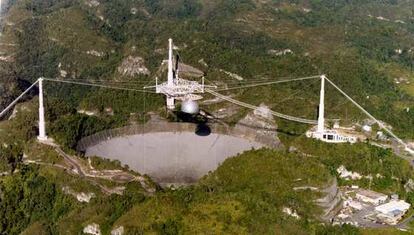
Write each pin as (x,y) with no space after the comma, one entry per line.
(74,164)
(116,176)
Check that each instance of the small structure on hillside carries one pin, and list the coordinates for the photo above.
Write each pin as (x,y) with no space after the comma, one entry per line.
(367,128)
(355,205)
(371,197)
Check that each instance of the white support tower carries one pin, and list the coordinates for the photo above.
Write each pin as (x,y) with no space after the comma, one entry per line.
(170,81)
(321,117)
(42,126)
(322,133)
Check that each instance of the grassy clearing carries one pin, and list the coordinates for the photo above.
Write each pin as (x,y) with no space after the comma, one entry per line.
(404,75)
(64,179)
(364,159)
(39,152)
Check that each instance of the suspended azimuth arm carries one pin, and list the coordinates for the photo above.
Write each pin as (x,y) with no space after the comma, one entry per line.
(17,99)
(243,104)
(380,124)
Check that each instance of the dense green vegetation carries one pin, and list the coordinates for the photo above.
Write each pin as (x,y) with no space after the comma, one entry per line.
(365,159)
(10,157)
(26,198)
(225,201)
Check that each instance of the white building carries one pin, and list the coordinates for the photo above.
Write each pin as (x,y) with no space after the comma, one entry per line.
(333,136)
(353,204)
(366,128)
(371,197)
(392,212)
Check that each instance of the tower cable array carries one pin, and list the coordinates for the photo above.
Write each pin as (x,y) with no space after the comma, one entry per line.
(177,88)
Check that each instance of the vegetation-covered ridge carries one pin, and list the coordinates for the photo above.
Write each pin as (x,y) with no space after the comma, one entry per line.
(225,201)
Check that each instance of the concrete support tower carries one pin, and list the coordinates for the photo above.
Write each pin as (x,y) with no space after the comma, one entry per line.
(42,126)
(321,117)
(170,82)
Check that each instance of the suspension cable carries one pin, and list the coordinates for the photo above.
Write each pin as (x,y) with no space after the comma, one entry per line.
(268,83)
(18,98)
(294,94)
(380,124)
(247,81)
(107,81)
(98,85)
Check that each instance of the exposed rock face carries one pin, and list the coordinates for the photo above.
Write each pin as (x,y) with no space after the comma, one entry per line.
(118,231)
(263,124)
(184,70)
(331,203)
(95,53)
(63,73)
(132,66)
(81,197)
(233,75)
(202,62)
(409,186)
(189,70)
(88,112)
(291,212)
(84,197)
(92,3)
(7,58)
(350,175)
(344,173)
(280,52)
(92,229)
(264,112)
